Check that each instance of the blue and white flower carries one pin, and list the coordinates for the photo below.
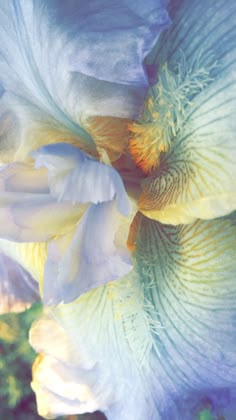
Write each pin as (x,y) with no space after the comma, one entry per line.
(123,210)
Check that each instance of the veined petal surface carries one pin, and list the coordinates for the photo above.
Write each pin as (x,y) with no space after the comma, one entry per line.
(189,277)
(167,335)
(104,363)
(197,84)
(52,65)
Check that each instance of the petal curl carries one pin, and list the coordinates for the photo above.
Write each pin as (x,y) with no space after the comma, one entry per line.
(196,176)
(75,177)
(89,257)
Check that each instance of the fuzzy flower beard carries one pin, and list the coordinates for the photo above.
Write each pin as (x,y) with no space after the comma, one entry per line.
(122,210)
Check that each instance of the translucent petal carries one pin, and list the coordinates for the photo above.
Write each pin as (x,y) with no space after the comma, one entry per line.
(59,347)
(18,290)
(89,257)
(196,177)
(29,50)
(77,178)
(35,217)
(62,393)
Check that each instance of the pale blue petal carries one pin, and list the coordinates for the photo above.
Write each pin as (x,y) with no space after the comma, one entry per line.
(167,336)
(76,178)
(89,258)
(38,41)
(197,176)
(18,290)
(120,32)
(188,272)
(108,332)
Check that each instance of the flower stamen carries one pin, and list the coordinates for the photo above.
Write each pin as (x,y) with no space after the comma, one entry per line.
(164,113)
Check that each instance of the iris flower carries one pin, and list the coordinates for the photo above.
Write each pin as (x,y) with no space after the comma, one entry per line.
(118,183)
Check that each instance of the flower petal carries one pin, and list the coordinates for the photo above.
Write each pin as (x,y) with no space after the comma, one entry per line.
(162,336)
(196,177)
(19,177)
(110,332)
(62,393)
(88,258)
(35,217)
(18,290)
(120,32)
(189,277)
(39,83)
(77,178)
(29,50)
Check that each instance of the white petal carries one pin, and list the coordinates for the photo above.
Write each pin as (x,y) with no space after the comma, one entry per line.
(92,256)
(77,178)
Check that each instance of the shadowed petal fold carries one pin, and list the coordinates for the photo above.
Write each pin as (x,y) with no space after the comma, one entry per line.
(120,32)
